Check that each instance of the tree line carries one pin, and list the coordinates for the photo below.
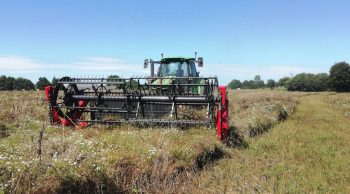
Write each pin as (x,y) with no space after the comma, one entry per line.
(338,80)
(20,83)
(8,83)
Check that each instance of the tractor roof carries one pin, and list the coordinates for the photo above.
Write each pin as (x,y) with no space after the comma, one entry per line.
(176,59)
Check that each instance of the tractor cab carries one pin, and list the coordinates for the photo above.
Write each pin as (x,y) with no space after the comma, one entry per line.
(178,71)
(175,67)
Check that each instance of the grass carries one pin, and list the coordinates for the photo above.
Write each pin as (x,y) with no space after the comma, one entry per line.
(308,153)
(96,159)
(128,159)
(254,112)
(339,101)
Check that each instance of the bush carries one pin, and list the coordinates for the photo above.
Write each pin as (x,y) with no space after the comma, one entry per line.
(271,83)
(54,81)
(234,84)
(253,84)
(42,83)
(308,82)
(340,77)
(10,83)
(6,83)
(23,84)
(283,82)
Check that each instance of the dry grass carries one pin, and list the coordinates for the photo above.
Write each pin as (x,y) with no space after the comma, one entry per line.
(121,158)
(97,159)
(254,112)
(340,101)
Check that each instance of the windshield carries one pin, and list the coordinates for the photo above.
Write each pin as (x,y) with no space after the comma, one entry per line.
(177,69)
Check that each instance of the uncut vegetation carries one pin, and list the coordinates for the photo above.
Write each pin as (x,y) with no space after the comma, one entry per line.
(39,158)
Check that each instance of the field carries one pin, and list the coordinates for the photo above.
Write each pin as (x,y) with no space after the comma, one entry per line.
(279,142)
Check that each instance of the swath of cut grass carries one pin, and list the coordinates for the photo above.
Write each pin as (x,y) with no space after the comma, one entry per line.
(253,112)
(308,153)
(339,101)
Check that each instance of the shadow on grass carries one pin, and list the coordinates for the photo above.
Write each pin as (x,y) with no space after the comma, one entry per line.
(208,157)
(4,131)
(236,140)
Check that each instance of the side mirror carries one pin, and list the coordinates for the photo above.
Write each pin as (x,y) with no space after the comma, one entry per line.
(145,63)
(200,62)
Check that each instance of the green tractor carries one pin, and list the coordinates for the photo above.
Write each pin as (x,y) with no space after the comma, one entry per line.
(174,95)
(177,70)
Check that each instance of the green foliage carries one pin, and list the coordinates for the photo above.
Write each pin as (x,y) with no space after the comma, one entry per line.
(6,83)
(112,78)
(247,84)
(340,77)
(234,84)
(42,83)
(271,83)
(308,82)
(283,82)
(253,84)
(23,84)
(54,81)
(258,83)
(10,83)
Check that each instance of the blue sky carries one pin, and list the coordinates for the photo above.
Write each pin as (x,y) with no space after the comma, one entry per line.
(238,39)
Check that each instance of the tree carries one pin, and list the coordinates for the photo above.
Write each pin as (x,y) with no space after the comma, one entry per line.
(308,82)
(6,83)
(247,84)
(42,83)
(282,82)
(23,84)
(339,77)
(321,82)
(112,78)
(271,83)
(234,84)
(132,84)
(54,81)
(258,83)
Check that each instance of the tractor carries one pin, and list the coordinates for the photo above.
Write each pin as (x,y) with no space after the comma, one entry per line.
(174,95)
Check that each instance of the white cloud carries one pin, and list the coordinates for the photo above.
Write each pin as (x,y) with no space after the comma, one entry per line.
(16,63)
(106,64)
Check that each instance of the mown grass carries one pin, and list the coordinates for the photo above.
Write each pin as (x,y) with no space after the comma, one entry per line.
(122,158)
(339,101)
(308,153)
(253,112)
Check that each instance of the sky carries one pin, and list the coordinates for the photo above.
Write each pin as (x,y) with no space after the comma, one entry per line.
(238,39)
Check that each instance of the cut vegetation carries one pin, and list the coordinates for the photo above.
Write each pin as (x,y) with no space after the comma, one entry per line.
(308,153)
